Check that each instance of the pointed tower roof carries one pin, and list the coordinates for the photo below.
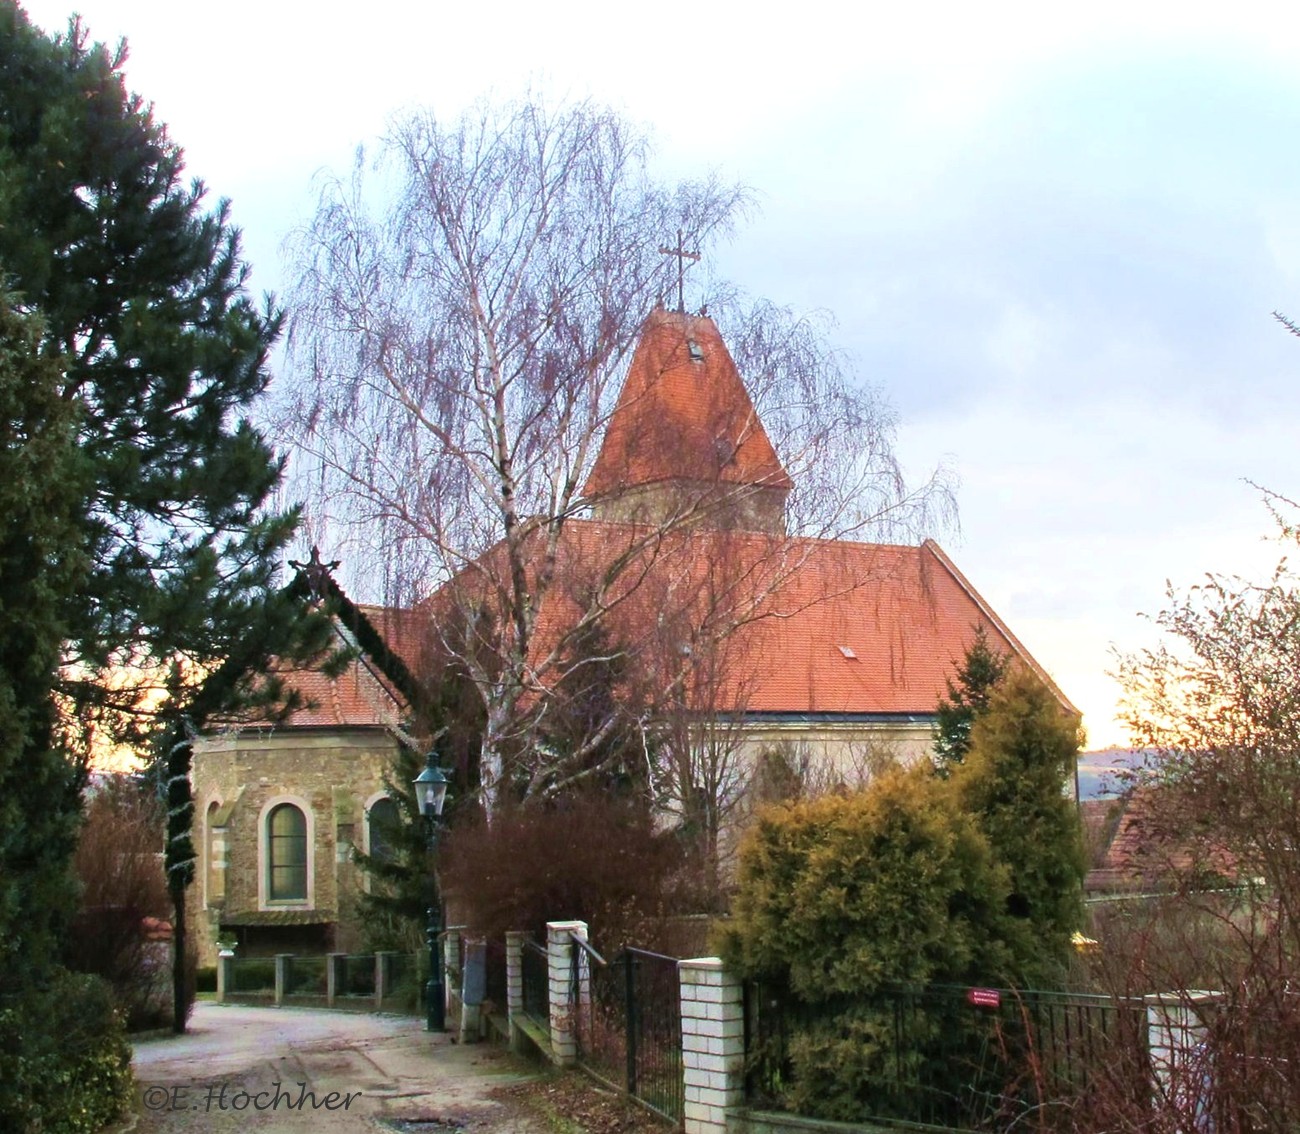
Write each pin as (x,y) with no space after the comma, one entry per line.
(684,415)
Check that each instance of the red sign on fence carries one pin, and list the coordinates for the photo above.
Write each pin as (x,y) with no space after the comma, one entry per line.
(984,997)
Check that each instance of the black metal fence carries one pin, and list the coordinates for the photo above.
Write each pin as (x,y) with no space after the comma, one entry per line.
(252,976)
(356,976)
(536,981)
(974,1059)
(305,976)
(494,960)
(628,1024)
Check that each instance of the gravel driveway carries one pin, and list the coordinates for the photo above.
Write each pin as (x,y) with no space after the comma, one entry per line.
(298,1069)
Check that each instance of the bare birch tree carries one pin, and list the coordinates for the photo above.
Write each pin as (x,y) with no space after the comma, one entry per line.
(463,315)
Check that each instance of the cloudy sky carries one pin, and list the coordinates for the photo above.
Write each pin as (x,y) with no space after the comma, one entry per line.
(1054,240)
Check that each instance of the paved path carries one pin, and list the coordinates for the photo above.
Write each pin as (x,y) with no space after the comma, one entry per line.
(298,1069)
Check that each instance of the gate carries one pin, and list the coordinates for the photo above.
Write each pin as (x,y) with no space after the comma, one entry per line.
(627,1017)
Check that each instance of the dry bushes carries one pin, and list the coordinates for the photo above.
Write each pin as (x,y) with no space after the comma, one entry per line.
(121,931)
(590,857)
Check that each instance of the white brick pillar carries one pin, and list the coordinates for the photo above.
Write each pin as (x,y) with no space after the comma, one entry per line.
(559,964)
(713,1043)
(515,986)
(1180,1063)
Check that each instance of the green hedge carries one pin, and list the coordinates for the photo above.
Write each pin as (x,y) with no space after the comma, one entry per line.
(65,1065)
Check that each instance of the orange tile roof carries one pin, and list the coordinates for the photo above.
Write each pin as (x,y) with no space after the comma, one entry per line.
(359,697)
(683,413)
(1152,849)
(830,627)
(826,627)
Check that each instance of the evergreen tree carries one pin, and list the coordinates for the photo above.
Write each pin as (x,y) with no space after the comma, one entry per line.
(980,671)
(141,291)
(445,706)
(394,908)
(1021,757)
(41,562)
(64,1062)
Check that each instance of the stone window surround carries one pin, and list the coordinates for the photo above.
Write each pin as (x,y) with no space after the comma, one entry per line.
(264,901)
(365,830)
(212,860)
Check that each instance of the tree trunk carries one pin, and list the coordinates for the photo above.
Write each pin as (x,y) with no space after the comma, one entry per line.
(179,940)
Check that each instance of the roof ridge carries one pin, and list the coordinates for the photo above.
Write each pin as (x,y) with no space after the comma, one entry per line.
(1046,678)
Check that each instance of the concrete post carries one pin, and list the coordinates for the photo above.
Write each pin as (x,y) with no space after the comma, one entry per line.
(1180,1065)
(515,987)
(451,947)
(225,974)
(283,961)
(383,978)
(336,976)
(559,957)
(473,988)
(713,1043)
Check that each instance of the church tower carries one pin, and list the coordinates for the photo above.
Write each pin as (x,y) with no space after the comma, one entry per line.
(684,441)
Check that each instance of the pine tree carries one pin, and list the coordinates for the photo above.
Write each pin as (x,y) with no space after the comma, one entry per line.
(41,563)
(141,292)
(980,671)
(1020,759)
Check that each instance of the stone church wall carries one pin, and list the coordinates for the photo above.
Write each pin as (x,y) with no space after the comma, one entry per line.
(333,777)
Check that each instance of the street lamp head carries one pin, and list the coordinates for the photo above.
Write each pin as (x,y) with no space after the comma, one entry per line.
(431,788)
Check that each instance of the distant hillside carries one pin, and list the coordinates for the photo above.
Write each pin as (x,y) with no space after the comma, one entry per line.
(1097,779)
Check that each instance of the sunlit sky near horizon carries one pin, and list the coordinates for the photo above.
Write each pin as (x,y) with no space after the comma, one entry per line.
(1054,238)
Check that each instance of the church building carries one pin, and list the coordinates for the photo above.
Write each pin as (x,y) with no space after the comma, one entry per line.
(839,649)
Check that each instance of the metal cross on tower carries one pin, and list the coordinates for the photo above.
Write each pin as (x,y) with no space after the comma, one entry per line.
(682,256)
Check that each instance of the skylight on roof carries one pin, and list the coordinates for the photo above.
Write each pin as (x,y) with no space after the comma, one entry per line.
(847,651)
(695,350)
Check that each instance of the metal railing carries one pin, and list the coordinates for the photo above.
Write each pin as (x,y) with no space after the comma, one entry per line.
(535,973)
(357,977)
(407,974)
(975,1059)
(253,976)
(306,977)
(628,1024)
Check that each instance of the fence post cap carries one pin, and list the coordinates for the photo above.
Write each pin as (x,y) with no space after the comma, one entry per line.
(1189,998)
(712,964)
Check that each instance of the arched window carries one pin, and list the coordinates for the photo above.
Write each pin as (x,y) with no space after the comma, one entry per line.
(383,822)
(214,879)
(286,854)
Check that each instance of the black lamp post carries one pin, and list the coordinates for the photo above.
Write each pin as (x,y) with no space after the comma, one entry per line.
(431,791)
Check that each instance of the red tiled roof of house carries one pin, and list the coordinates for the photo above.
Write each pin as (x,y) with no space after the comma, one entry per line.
(683,414)
(1151,849)
(808,626)
(820,626)
(359,697)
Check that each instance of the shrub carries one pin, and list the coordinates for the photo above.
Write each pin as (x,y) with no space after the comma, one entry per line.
(65,1066)
(842,895)
(842,902)
(119,932)
(597,859)
(205,978)
(1020,756)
